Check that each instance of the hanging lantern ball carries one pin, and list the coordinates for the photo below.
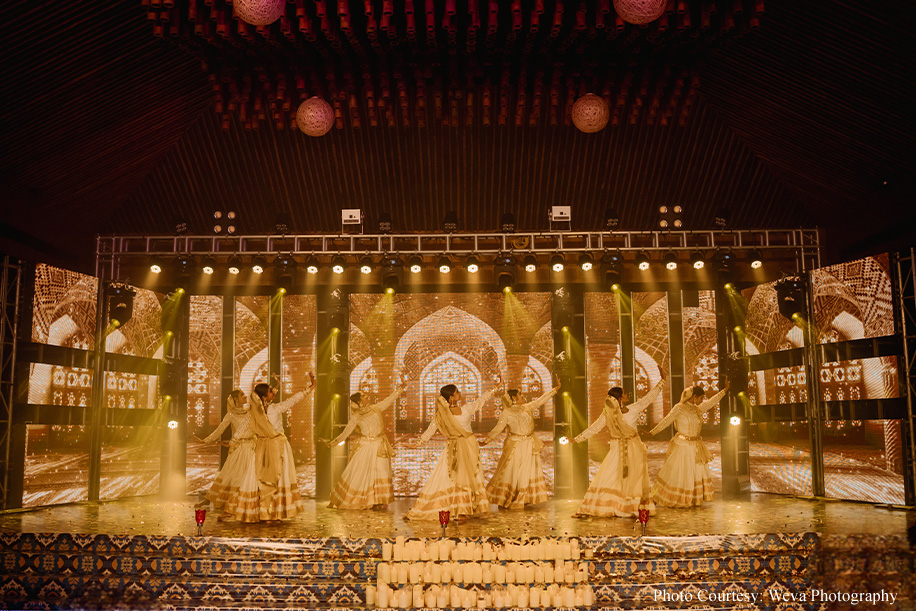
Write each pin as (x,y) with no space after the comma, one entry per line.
(640,12)
(590,113)
(259,12)
(315,117)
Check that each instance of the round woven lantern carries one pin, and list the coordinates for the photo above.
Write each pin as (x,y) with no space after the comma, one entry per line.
(315,117)
(590,113)
(640,12)
(259,12)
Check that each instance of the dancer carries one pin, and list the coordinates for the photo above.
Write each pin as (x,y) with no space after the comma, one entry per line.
(684,479)
(235,489)
(621,486)
(275,411)
(278,490)
(367,480)
(456,483)
(519,476)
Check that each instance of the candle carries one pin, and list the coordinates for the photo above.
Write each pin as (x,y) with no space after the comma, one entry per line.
(523,597)
(455,596)
(589,596)
(534,597)
(370,596)
(402,573)
(417,596)
(415,551)
(430,598)
(589,554)
(486,573)
(510,574)
(559,574)
(501,553)
(481,601)
(424,554)
(415,571)
(580,597)
(566,550)
(539,573)
(383,572)
(476,552)
(468,572)
(529,572)
(569,597)
(443,549)
(442,598)
(428,572)
(569,575)
(383,594)
(478,573)
(432,551)
(557,598)
(470,599)
(576,552)
(486,554)
(499,573)
(435,572)
(386,551)
(404,598)
(548,573)
(400,540)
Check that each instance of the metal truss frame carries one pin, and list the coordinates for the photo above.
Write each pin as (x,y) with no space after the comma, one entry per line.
(906,304)
(803,244)
(10,280)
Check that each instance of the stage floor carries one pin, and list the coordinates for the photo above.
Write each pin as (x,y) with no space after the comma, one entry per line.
(759,513)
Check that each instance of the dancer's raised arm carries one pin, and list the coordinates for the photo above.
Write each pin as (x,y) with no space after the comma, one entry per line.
(218,432)
(711,402)
(666,421)
(592,430)
(389,400)
(500,425)
(637,407)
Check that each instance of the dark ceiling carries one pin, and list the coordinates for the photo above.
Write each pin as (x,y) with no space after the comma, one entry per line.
(120,116)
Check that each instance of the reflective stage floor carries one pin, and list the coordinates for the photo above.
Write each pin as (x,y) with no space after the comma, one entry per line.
(758,513)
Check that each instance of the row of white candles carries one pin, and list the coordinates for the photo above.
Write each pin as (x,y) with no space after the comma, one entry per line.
(446,549)
(440,597)
(560,571)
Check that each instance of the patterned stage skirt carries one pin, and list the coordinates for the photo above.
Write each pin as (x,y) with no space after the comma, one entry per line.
(286,502)
(367,480)
(440,493)
(235,489)
(609,494)
(684,479)
(519,476)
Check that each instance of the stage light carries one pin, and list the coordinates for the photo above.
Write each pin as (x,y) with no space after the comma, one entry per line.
(738,329)
(450,222)
(180,291)
(445,264)
(735,420)
(335,331)
(586,262)
(564,440)
(181,225)
(724,271)
(756,261)
(384,223)
(721,218)
(508,222)
(391,272)
(209,265)
(338,265)
(169,334)
(790,297)
(281,223)
(557,262)
(612,219)
(285,265)
(258,264)
(615,287)
(565,329)
(612,264)
(472,265)
(235,265)
(507,289)
(120,303)
(311,266)
(416,264)
(155,265)
(670,261)
(696,259)
(531,263)
(173,424)
(365,265)
(565,393)
(669,217)
(642,261)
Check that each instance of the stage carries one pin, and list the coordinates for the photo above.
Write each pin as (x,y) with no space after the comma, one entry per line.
(759,513)
(143,553)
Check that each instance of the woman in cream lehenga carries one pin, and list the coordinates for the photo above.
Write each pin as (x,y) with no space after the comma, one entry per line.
(621,486)
(366,482)
(456,483)
(277,488)
(235,489)
(519,476)
(684,479)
